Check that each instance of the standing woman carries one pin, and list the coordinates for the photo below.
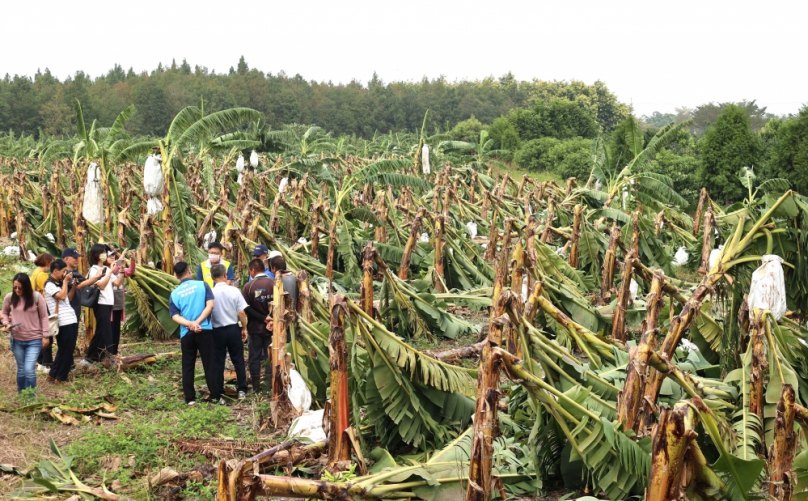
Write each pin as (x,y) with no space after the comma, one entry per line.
(38,279)
(58,295)
(25,309)
(101,343)
(118,292)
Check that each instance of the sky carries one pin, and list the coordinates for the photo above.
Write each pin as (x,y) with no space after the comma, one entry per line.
(655,55)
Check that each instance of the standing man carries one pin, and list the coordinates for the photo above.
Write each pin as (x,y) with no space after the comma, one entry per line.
(277,264)
(227,335)
(190,306)
(261,252)
(215,251)
(258,294)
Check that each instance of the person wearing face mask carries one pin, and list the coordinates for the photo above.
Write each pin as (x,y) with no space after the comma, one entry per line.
(101,343)
(215,251)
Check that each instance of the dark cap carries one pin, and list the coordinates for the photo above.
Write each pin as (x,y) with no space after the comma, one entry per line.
(71,252)
(260,250)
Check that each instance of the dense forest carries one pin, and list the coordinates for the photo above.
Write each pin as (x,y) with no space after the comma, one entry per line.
(537,125)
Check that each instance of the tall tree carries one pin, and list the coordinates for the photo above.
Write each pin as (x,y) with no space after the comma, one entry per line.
(727,147)
(789,155)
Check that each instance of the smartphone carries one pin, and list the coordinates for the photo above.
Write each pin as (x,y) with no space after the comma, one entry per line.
(120,263)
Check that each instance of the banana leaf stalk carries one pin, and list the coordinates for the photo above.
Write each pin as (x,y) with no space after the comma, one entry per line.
(699,210)
(630,399)
(619,322)
(486,423)
(673,436)
(338,442)
(781,455)
(282,314)
(609,261)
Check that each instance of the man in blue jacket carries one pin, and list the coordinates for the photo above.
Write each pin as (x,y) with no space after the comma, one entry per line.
(190,306)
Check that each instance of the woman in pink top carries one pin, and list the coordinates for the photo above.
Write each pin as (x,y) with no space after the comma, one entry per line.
(25,313)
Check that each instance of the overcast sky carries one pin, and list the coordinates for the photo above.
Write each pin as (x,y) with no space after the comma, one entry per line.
(655,55)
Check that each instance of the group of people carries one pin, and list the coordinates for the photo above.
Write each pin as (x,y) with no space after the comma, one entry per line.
(216,319)
(47,306)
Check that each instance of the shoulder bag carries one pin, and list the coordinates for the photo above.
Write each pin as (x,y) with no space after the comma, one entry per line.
(90,296)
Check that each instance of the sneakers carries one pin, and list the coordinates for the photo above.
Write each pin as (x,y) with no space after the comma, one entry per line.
(242,395)
(42,368)
(221,402)
(191,403)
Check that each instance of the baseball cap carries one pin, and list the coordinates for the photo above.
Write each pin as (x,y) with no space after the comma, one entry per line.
(274,254)
(71,252)
(260,250)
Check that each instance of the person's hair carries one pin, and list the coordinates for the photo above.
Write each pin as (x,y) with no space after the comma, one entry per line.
(27,291)
(218,271)
(181,268)
(216,245)
(58,265)
(43,259)
(95,253)
(257,266)
(277,263)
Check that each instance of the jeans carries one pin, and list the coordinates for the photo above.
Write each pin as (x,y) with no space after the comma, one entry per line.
(26,353)
(228,339)
(64,353)
(101,344)
(201,342)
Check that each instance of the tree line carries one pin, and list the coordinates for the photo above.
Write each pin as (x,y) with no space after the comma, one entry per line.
(538,125)
(43,104)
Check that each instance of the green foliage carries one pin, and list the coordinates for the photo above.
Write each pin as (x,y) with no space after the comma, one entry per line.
(682,171)
(467,130)
(726,148)
(569,158)
(557,118)
(790,151)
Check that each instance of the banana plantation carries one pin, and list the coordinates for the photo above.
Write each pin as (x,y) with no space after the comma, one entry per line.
(633,347)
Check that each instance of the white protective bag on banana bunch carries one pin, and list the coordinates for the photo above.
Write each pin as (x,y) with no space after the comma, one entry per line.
(240,167)
(425,160)
(93,209)
(681,257)
(253,159)
(153,184)
(299,393)
(309,425)
(768,288)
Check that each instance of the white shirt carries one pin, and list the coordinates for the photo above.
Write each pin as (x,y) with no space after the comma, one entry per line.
(107,297)
(228,302)
(66,314)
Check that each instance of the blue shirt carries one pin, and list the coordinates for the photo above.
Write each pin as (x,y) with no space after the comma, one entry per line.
(188,300)
(269,274)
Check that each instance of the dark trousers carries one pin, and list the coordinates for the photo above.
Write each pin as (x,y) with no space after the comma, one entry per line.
(64,354)
(228,339)
(101,344)
(46,355)
(258,345)
(116,331)
(202,343)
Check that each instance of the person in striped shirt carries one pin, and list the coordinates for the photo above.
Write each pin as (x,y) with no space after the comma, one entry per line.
(58,294)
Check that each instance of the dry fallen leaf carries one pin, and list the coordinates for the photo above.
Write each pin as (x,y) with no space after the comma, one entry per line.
(131,462)
(112,463)
(166,475)
(116,486)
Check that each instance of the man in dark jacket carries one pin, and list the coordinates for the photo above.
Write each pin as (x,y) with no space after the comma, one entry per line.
(258,294)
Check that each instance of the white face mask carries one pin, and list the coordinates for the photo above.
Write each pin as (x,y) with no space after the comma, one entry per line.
(214,258)
(103,258)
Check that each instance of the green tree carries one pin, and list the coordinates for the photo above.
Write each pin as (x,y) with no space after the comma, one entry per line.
(568,158)
(682,171)
(504,135)
(727,147)
(467,130)
(789,157)
(556,118)
(657,119)
(152,116)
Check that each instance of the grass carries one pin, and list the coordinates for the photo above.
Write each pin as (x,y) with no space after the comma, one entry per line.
(517,172)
